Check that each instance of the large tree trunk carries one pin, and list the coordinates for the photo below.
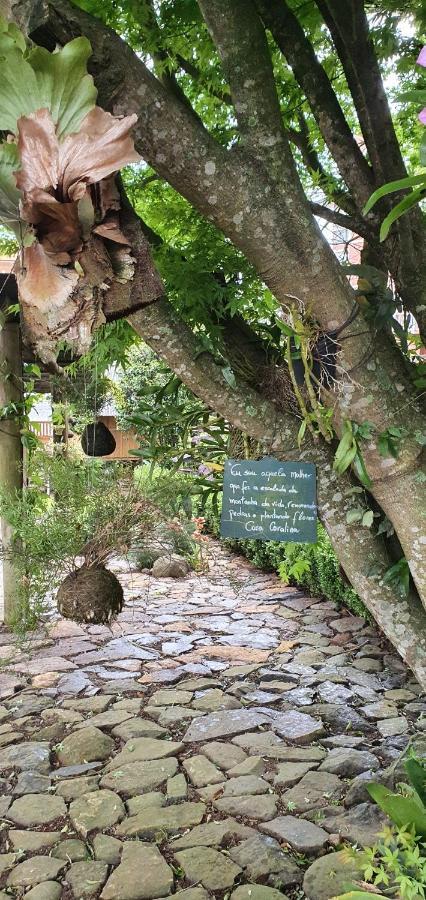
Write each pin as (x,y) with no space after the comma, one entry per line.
(253,194)
(10,457)
(403,620)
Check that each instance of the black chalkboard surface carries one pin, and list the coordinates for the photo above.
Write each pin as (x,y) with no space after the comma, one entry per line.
(269,500)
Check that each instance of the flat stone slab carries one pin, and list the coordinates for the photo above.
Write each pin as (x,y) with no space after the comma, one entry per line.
(244,785)
(48,890)
(261,856)
(209,867)
(315,790)
(224,755)
(83,746)
(256,807)
(211,834)
(72,788)
(144,749)
(142,874)
(291,772)
(34,871)
(135,778)
(135,805)
(349,762)
(359,825)
(29,755)
(36,809)
(106,720)
(96,810)
(32,841)
(71,849)
(201,771)
(224,724)
(171,698)
(86,878)
(330,875)
(257,892)
(300,834)
(138,727)
(298,727)
(169,819)
(193,894)
(107,849)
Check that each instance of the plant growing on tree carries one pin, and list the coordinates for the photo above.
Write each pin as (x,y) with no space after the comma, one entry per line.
(57,190)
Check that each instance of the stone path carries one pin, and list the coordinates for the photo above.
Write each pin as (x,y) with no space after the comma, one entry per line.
(215,742)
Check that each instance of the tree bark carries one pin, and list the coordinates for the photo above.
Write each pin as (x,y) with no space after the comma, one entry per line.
(403,620)
(252,193)
(11,457)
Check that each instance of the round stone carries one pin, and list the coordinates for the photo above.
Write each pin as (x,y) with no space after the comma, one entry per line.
(96,811)
(86,745)
(36,809)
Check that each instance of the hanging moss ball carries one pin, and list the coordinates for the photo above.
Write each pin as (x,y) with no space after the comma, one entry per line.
(91,594)
(97,440)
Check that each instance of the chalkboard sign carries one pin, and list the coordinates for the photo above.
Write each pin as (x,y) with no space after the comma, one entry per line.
(269,500)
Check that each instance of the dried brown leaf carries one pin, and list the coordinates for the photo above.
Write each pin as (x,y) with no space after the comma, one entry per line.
(103,145)
(38,152)
(58,225)
(43,284)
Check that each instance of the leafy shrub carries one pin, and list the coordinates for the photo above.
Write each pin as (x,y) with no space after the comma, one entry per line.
(407,808)
(71,511)
(314,567)
(396,865)
(171,491)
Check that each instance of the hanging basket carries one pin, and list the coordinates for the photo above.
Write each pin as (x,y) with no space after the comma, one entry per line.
(97,440)
(92,594)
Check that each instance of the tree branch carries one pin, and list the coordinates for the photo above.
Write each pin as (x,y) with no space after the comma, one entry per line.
(309,73)
(327,182)
(338,218)
(402,620)
(240,38)
(191,69)
(348,25)
(405,256)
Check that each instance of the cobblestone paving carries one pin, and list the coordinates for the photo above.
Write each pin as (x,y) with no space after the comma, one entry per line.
(216,741)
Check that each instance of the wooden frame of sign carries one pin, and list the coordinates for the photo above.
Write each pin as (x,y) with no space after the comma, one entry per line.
(269,500)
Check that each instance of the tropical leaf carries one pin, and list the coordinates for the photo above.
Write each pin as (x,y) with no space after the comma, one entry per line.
(64,85)
(19,93)
(401,208)
(404,811)
(417,775)
(346,449)
(392,186)
(56,81)
(9,194)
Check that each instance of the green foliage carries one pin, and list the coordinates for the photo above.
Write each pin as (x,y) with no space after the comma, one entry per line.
(410,200)
(398,577)
(395,865)
(19,410)
(172,492)
(406,809)
(70,509)
(9,194)
(174,428)
(313,567)
(397,862)
(348,451)
(35,79)
(389,442)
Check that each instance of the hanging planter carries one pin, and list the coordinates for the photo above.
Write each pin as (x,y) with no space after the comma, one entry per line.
(91,594)
(97,440)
